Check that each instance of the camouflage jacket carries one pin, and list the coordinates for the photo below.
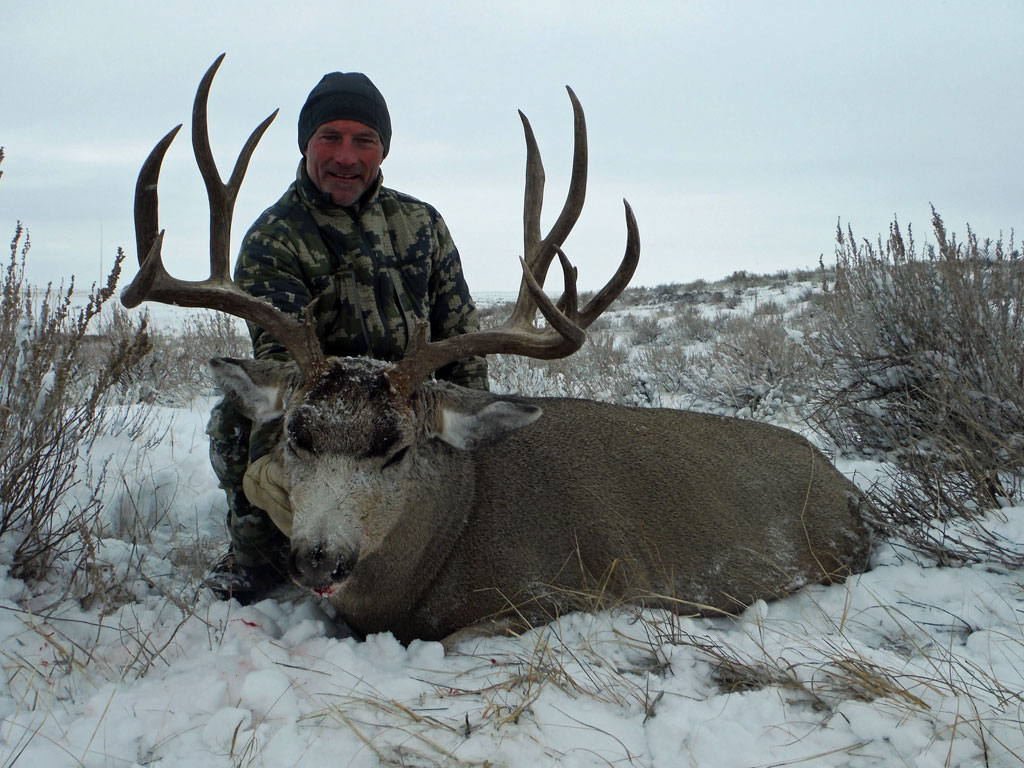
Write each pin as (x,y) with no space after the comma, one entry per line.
(375,268)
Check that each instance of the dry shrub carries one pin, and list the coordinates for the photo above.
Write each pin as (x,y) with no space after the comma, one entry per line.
(931,517)
(60,389)
(665,370)
(598,371)
(493,314)
(178,366)
(769,307)
(643,329)
(754,367)
(926,364)
(690,324)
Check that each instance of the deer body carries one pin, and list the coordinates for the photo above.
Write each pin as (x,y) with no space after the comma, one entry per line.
(424,508)
(429,515)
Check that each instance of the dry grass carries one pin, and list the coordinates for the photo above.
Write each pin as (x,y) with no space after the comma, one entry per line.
(625,668)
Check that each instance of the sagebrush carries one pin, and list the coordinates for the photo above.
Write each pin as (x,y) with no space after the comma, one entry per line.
(60,389)
(923,360)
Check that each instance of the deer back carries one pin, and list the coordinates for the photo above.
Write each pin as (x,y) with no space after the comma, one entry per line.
(594,502)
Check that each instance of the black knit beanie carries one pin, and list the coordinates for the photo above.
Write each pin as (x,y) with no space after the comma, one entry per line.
(345,96)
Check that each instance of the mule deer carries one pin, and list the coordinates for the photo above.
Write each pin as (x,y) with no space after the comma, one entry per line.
(423,508)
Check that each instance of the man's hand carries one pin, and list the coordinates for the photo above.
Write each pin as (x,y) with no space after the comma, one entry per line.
(266,486)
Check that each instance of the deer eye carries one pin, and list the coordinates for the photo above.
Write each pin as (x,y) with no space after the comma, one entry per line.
(396,457)
(294,450)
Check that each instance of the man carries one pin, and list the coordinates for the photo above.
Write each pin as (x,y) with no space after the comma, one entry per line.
(374,260)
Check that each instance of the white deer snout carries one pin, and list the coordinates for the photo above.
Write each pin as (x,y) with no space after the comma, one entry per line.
(339,515)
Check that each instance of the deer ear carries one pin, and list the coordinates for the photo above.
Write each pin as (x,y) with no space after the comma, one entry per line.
(491,424)
(259,387)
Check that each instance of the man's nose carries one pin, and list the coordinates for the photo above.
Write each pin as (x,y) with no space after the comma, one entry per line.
(345,152)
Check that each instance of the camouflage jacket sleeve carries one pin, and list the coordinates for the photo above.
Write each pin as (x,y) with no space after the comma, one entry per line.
(269,267)
(453,311)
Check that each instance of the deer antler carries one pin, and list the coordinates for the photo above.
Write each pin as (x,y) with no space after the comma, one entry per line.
(219,291)
(566,323)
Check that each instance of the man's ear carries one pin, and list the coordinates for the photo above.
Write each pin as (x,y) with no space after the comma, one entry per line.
(491,424)
(258,387)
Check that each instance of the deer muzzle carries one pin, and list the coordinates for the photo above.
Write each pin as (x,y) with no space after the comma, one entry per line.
(316,568)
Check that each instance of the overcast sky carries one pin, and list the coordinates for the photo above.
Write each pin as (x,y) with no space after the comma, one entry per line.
(739,131)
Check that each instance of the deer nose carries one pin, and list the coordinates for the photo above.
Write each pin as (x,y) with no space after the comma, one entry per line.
(314,567)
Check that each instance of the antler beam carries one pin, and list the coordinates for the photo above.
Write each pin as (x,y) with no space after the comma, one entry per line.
(219,291)
(566,323)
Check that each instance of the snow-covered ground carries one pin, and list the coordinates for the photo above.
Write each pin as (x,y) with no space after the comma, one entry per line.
(905,665)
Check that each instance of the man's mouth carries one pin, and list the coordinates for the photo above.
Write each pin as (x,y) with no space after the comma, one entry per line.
(343,176)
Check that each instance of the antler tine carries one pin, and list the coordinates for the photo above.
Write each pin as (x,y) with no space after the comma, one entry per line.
(148,237)
(147,222)
(600,302)
(222,196)
(517,335)
(538,253)
(577,192)
(219,291)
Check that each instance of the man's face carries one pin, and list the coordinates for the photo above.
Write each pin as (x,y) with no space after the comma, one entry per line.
(343,158)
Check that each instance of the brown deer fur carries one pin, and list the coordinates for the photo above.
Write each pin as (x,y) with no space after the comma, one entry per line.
(455,508)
